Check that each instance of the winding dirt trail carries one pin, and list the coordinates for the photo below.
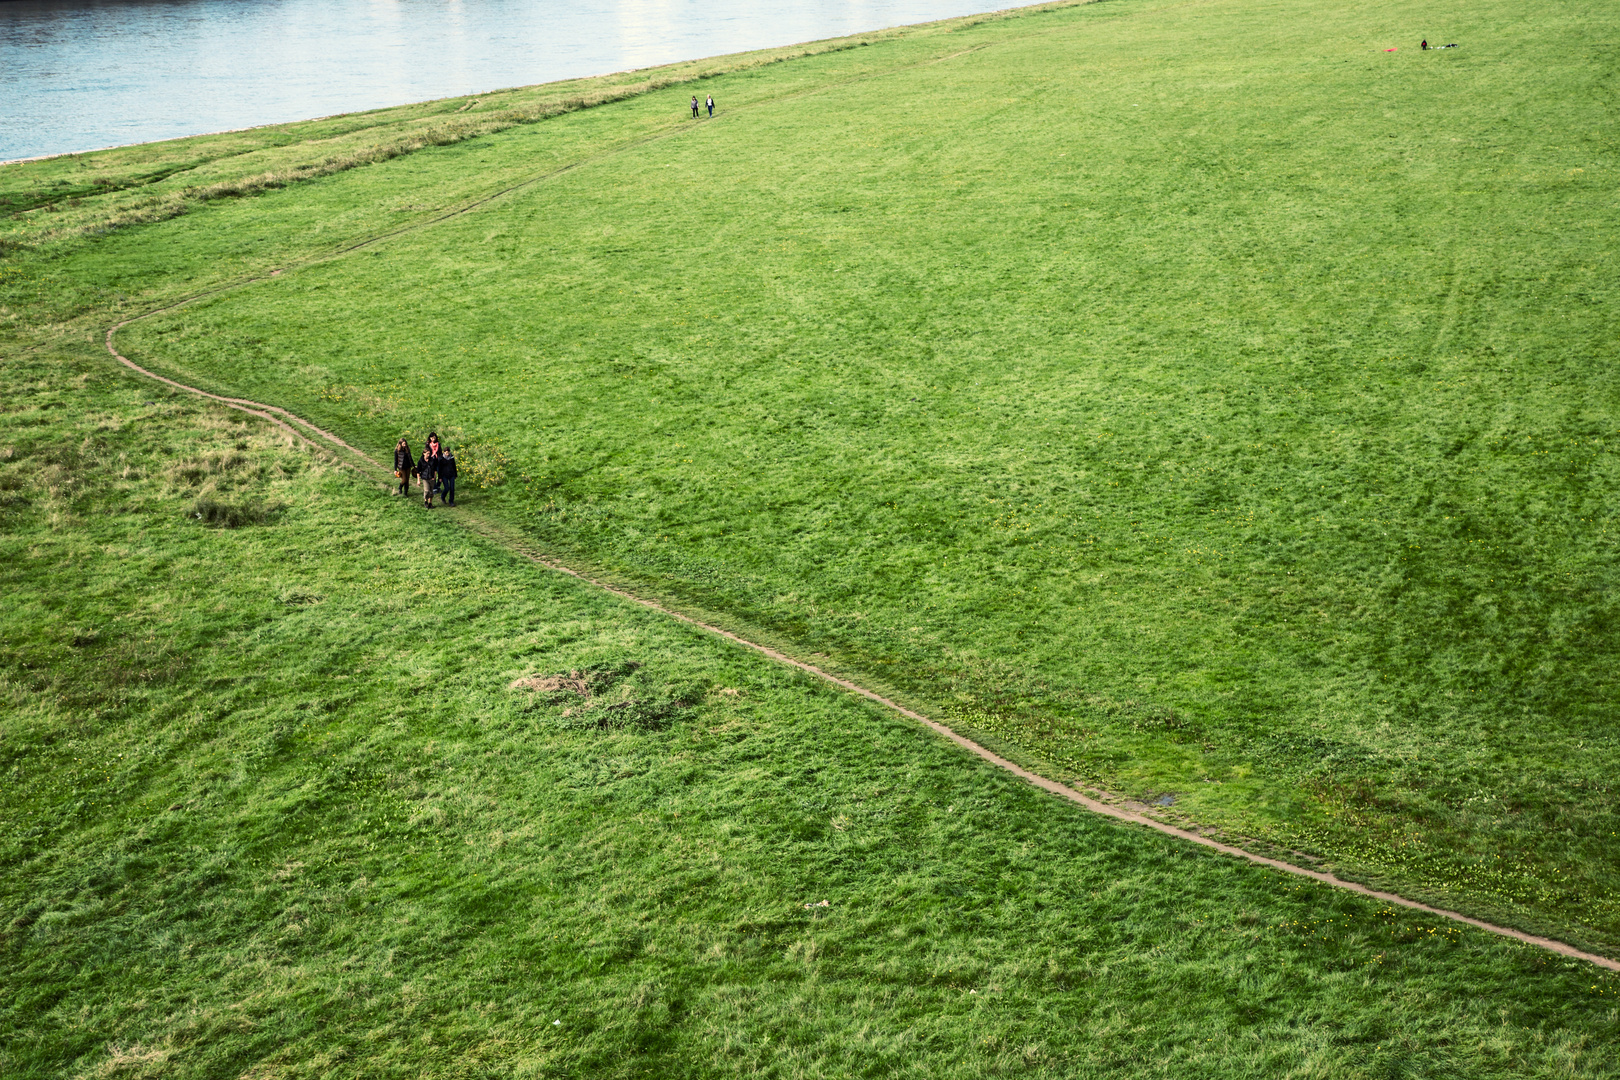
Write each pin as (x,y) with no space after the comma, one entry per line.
(325,441)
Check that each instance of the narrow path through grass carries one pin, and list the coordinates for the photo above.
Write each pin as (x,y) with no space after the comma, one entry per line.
(275,807)
(1102,805)
(1192,402)
(1193,453)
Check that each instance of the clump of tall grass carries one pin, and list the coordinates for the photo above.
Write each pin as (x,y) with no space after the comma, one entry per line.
(220,513)
(484,462)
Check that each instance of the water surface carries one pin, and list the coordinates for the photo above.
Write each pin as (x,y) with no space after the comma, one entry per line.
(82,74)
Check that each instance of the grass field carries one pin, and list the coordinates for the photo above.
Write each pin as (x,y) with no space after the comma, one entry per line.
(1196,401)
(272,810)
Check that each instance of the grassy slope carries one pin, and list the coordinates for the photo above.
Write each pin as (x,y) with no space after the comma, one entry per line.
(271,810)
(1199,400)
(271,686)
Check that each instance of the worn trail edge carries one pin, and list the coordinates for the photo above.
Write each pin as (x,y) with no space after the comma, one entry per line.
(303,432)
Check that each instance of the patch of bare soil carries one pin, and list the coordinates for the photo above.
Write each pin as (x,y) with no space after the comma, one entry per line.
(587,683)
(605,697)
(553,684)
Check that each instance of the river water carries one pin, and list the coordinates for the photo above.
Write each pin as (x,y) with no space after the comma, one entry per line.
(84,74)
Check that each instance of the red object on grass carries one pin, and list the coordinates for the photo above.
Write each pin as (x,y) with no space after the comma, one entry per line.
(1392,50)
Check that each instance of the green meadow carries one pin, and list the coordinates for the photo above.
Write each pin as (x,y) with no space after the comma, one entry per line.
(273,809)
(1196,402)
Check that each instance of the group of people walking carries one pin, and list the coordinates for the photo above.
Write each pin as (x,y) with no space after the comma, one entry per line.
(709,103)
(436,469)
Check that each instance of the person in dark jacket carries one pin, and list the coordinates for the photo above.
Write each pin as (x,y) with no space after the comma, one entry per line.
(447,476)
(404,466)
(427,469)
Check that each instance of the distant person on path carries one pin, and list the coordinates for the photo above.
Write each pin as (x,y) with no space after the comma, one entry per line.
(711,104)
(447,476)
(1425,45)
(427,469)
(404,465)
(694,107)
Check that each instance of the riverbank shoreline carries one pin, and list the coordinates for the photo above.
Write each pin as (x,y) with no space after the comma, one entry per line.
(94,85)
(148,181)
